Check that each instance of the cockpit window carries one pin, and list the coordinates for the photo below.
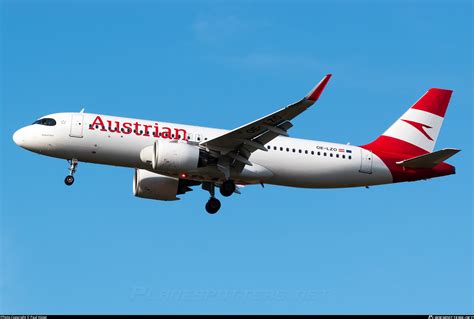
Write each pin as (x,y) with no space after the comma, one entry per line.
(45,121)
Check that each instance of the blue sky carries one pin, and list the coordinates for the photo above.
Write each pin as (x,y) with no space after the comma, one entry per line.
(94,248)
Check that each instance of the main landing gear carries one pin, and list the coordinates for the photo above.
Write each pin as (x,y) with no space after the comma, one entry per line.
(227,188)
(213,204)
(69,180)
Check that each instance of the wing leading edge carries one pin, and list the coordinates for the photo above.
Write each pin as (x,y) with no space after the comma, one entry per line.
(239,143)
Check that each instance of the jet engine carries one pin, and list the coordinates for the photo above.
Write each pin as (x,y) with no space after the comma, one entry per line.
(150,185)
(154,186)
(174,156)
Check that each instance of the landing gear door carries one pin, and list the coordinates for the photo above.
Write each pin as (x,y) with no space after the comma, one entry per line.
(366,159)
(77,125)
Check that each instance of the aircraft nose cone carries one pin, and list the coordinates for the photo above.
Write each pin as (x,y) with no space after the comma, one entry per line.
(27,139)
(18,138)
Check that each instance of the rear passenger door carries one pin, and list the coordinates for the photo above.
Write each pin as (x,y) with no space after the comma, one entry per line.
(366,160)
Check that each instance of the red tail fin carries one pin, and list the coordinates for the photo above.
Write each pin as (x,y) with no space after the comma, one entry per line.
(415,133)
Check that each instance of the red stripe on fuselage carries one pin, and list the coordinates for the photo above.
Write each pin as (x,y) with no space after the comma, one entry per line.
(388,144)
(391,150)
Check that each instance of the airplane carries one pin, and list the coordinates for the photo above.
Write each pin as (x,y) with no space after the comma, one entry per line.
(168,158)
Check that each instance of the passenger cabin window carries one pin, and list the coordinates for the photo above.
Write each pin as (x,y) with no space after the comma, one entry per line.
(46,121)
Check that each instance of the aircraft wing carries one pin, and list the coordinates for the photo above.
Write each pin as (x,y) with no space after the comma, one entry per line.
(242,141)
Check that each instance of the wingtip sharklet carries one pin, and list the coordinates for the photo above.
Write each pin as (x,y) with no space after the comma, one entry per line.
(318,89)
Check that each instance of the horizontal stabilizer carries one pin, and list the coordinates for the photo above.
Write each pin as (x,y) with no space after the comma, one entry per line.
(429,160)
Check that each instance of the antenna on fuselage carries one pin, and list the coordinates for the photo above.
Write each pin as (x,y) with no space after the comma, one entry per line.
(82,110)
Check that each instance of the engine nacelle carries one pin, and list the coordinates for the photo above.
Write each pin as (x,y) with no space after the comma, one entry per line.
(173,156)
(154,186)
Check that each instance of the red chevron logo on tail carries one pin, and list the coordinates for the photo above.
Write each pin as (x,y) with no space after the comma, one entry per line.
(420,127)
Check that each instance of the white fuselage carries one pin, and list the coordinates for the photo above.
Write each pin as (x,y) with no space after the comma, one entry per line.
(288,161)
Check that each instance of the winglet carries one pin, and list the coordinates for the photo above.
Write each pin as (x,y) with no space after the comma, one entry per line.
(318,89)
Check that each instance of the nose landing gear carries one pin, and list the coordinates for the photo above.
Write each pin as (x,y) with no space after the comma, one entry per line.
(69,180)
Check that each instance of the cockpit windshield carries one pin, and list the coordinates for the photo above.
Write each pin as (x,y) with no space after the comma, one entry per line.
(45,121)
